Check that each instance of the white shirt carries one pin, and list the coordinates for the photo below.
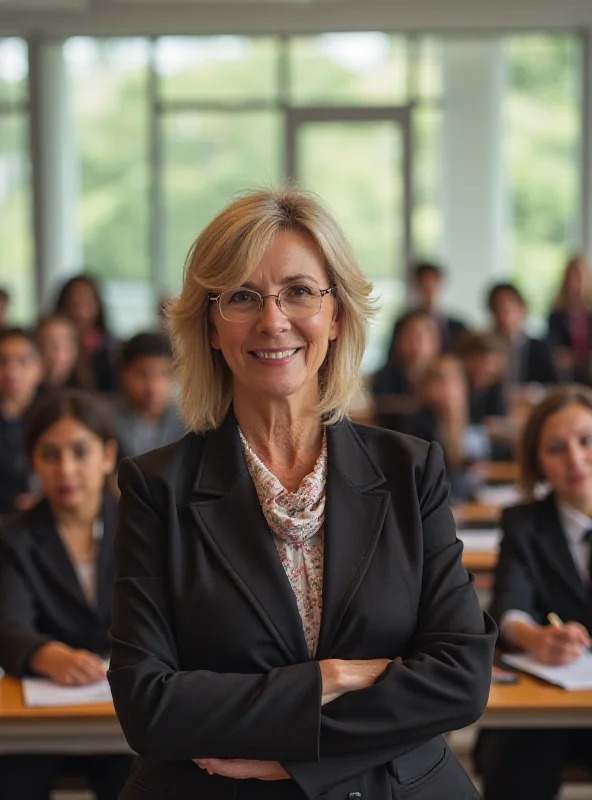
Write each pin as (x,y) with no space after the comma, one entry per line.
(574,525)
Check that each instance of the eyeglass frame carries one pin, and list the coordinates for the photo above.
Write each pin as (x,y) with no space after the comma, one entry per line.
(262,297)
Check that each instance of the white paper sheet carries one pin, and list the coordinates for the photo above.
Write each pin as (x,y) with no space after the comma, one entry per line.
(500,496)
(478,540)
(576,676)
(40,693)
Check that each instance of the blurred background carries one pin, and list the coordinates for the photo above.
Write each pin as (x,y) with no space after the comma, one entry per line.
(451,131)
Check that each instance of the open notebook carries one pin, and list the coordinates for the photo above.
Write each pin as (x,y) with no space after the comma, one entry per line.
(40,692)
(573,677)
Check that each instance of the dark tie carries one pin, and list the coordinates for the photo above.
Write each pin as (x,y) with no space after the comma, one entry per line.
(587,537)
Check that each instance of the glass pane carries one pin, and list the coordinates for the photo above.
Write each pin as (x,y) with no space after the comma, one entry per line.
(218,68)
(14,71)
(16,244)
(542,117)
(349,68)
(108,103)
(428,220)
(429,69)
(208,159)
(367,198)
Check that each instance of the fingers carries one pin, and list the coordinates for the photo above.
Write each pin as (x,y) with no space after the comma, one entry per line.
(579,633)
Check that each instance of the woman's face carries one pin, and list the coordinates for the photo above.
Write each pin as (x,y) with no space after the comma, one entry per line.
(248,346)
(72,463)
(565,454)
(81,304)
(418,341)
(59,349)
(446,388)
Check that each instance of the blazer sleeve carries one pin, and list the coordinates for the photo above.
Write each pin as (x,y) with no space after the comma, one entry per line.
(558,332)
(19,637)
(167,713)
(442,683)
(513,588)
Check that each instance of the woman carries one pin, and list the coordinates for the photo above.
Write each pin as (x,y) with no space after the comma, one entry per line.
(443,416)
(291,617)
(570,321)
(416,343)
(80,300)
(544,567)
(56,581)
(60,349)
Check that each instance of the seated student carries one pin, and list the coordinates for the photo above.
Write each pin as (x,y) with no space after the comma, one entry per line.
(21,372)
(4,304)
(416,344)
(570,322)
(57,572)
(529,360)
(443,416)
(484,357)
(145,418)
(544,566)
(80,300)
(60,350)
(428,281)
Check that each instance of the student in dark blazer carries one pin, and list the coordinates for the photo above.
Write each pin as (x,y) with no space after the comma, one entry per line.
(570,321)
(292,618)
(56,581)
(544,567)
(529,360)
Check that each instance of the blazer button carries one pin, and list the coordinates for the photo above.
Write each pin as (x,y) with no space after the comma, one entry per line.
(355,796)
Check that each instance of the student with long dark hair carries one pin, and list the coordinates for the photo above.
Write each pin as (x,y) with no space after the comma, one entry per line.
(57,575)
(80,300)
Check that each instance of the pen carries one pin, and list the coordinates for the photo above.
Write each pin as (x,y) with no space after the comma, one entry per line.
(554,620)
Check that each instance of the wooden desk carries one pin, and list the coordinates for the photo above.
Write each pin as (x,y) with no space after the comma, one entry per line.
(499,471)
(76,729)
(479,560)
(469,515)
(532,703)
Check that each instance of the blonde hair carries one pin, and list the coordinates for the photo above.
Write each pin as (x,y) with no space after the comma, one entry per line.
(577,261)
(530,472)
(221,258)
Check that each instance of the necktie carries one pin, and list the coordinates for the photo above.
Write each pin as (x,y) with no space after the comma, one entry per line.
(587,537)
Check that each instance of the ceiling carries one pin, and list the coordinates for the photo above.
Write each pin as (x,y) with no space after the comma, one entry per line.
(152,17)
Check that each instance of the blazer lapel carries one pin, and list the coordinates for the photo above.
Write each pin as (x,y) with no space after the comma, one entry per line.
(355,511)
(53,557)
(227,512)
(106,557)
(553,543)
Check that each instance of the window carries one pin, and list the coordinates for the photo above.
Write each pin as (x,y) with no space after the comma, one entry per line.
(16,243)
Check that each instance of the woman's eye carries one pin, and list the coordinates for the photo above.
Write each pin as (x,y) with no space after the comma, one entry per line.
(299,291)
(80,452)
(49,456)
(242,297)
(586,441)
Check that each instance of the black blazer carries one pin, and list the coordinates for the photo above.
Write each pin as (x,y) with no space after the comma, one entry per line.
(41,599)
(536,572)
(208,651)
(559,328)
(536,362)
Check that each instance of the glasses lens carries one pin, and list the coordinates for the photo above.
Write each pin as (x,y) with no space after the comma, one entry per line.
(239,304)
(300,300)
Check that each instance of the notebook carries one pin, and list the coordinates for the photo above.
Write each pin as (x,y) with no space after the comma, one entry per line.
(43,693)
(576,676)
(479,539)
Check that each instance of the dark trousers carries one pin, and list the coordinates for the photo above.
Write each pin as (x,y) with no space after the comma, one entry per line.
(32,777)
(515,764)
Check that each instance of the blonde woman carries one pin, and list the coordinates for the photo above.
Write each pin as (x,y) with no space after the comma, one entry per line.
(292,618)
(570,321)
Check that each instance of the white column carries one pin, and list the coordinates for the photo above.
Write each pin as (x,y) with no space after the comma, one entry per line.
(58,249)
(472,185)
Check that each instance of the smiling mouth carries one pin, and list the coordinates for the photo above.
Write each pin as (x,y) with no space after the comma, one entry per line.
(270,355)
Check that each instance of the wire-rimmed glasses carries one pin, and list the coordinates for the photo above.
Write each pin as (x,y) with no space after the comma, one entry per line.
(296,301)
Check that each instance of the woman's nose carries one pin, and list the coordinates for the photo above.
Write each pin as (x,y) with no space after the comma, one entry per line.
(271,318)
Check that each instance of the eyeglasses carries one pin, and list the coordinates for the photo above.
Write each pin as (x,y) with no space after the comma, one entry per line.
(296,301)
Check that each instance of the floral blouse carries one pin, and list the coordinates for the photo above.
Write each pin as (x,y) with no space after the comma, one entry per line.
(296,519)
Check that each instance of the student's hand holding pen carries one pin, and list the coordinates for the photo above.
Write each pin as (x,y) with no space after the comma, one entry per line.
(559,643)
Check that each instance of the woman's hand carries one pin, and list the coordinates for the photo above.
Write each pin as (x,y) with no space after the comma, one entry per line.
(340,676)
(67,666)
(242,768)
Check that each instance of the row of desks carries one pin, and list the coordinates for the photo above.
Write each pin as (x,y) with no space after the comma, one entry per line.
(95,729)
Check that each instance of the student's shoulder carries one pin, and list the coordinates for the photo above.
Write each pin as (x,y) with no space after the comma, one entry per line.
(521,518)
(19,530)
